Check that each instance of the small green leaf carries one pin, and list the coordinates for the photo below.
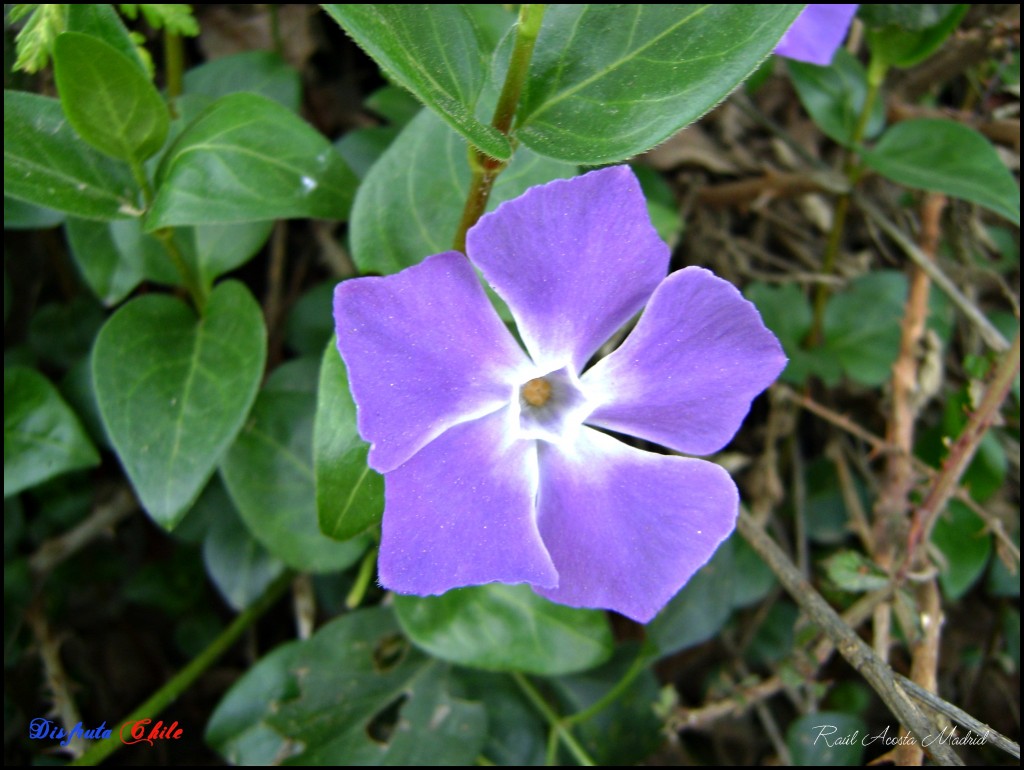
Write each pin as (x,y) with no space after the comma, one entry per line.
(247,158)
(827,739)
(862,326)
(700,609)
(609,81)
(101,21)
(349,494)
(48,164)
(852,571)
(259,72)
(506,628)
(902,46)
(115,257)
(237,564)
(62,333)
(947,157)
(34,43)
(42,436)
(174,390)
(309,326)
(787,312)
(909,16)
(219,249)
(409,206)
(353,694)
(269,473)
(111,104)
(174,17)
(437,52)
(966,544)
(834,96)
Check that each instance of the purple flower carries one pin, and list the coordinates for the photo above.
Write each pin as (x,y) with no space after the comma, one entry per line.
(494,470)
(816,34)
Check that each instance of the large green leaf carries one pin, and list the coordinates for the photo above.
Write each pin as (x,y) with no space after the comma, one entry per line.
(174,390)
(333,699)
(437,52)
(101,21)
(269,473)
(48,164)
(900,44)
(109,101)
(410,203)
(247,158)
(947,157)
(610,81)
(42,436)
(349,494)
(834,96)
(506,628)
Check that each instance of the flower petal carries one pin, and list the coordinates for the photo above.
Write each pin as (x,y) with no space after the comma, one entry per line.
(461,512)
(425,350)
(817,32)
(574,259)
(687,373)
(626,528)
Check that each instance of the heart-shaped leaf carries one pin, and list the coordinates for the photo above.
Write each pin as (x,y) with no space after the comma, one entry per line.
(174,390)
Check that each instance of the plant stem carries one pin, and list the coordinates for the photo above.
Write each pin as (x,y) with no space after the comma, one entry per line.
(852,170)
(962,452)
(558,725)
(362,582)
(859,655)
(485,169)
(638,665)
(184,678)
(195,288)
(174,65)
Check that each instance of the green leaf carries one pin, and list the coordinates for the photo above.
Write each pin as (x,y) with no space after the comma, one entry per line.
(238,565)
(219,249)
(349,494)
(787,312)
(506,628)
(353,694)
(111,104)
(834,96)
(269,473)
(42,436)
(700,609)
(965,543)
(175,390)
(46,163)
(435,51)
(852,571)
(947,157)
(115,257)
(610,81)
(19,215)
(101,21)
(773,641)
(174,17)
(909,16)
(410,203)
(259,72)
(516,733)
(247,158)
(902,46)
(34,43)
(62,333)
(826,739)
(862,326)
(310,323)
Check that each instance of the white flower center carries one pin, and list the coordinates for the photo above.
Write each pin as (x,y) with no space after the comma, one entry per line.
(551,407)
